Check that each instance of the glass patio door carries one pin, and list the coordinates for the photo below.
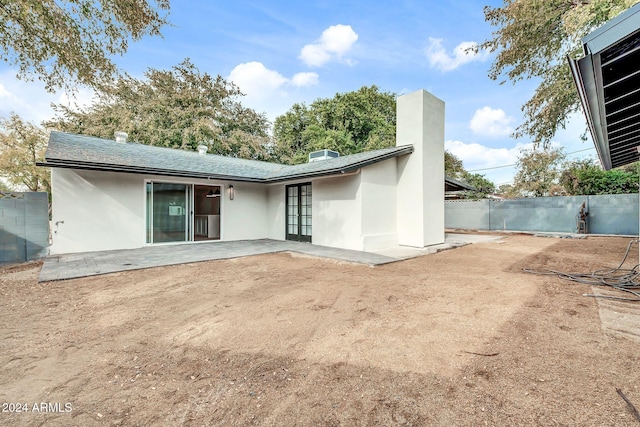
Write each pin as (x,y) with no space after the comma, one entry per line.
(299,212)
(168,212)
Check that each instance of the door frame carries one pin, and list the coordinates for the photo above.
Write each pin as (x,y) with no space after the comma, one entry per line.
(190,211)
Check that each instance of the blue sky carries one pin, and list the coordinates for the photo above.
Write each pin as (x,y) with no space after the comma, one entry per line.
(283,52)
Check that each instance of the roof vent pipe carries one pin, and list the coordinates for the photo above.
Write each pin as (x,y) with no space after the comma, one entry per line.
(202,149)
(121,137)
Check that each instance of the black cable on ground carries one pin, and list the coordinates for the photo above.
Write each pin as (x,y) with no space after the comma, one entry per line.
(620,279)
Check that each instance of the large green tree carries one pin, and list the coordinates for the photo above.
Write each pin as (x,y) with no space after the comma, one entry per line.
(538,172)
(177,108)
(532,40)
(349,123)
(68,42)
(22,144)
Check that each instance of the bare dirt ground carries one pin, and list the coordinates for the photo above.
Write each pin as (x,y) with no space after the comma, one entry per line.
(462,337)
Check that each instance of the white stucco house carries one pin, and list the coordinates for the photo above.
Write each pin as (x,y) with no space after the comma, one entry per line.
(121,195)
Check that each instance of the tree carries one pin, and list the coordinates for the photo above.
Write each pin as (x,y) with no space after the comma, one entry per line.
(585,177)
(453,167)
(177,108)
(67,42)
(483,187)
(22,144)
(538,171)
(532,40)
(349,123)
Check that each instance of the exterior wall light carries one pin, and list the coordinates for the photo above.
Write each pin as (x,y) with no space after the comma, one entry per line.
(232,192)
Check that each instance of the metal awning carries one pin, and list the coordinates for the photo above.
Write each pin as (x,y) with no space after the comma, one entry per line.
(608,82)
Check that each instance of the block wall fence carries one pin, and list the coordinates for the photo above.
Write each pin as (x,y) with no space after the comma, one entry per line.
(608,214)
(24,226)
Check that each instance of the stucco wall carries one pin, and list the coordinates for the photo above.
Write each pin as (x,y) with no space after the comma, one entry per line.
(97,211)
(379,228)
(93,211)
(337,210)
(247,215)
(276,212)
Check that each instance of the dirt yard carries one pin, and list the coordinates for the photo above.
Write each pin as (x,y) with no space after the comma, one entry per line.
(462,337)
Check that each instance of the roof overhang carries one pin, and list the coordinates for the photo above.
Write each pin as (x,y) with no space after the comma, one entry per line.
(452,185)
(82,152)
(608,83)
(103,167)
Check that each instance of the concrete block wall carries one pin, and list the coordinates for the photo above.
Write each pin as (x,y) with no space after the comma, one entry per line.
(613,214)
(608,214)
(550,214)
(24,227)
(467,214)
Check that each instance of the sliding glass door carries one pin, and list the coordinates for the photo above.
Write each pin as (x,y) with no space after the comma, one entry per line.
(168,212)
(182,212)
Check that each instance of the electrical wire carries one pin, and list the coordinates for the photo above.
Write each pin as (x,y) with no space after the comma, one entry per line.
(620,279)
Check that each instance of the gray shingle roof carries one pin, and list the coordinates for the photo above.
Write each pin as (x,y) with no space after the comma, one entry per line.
(86,152)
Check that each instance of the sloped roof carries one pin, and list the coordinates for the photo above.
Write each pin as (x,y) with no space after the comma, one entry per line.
(451,185)
(86,152)
(608,82)
(68,150)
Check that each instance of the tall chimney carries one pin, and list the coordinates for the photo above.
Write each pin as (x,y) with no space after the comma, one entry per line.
(420,122)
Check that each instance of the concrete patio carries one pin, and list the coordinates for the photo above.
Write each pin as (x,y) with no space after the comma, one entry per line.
(70,266)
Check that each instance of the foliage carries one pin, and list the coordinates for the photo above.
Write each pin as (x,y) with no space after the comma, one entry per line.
(349,123)
(483,187)
(505,190)
(66,42)
(178,108)
(453,166)
(22,144)
(532,40)
(585,177)
(538,172)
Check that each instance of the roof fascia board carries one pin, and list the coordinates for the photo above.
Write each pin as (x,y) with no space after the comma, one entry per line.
(588,79)
(599,111)
(613,31)
(143,171)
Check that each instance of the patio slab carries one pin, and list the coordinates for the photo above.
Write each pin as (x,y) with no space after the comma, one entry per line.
(71,266)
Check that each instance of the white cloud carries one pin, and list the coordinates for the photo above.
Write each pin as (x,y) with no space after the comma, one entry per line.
(304,79)
(256,80)
(334,43)
(81,99)
(491,122)
(266,90)
(5,94)
(462,54)
(31,101)
(476,156)
(314,55)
